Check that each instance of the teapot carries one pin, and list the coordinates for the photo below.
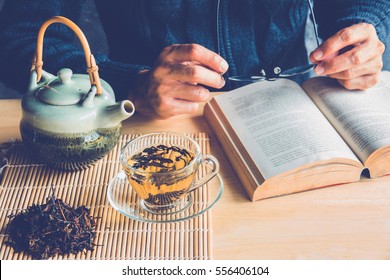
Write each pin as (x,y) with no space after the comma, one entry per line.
(69,121)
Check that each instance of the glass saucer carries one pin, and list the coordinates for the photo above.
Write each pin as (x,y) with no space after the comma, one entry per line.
(123,198)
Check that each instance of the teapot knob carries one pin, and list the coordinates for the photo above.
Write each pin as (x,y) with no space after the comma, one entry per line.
(65,75)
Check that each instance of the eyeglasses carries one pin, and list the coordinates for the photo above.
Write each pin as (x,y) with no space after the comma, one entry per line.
(277,71)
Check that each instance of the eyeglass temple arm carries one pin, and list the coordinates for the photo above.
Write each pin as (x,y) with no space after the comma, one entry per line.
(217,25)
(314,22)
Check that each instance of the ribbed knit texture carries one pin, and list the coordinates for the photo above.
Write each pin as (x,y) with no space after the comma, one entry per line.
(254,33)
(336,15)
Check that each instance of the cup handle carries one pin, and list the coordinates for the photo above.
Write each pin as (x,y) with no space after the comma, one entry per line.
(211,161)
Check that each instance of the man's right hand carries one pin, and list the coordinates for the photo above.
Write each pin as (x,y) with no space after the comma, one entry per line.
(175,85)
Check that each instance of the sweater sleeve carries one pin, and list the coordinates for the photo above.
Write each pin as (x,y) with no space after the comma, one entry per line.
(20,21)
(334,15)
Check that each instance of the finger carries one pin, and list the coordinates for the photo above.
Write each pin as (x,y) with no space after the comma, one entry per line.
(184,91)
(360,83)
(170,107)
(192,74)
(314,61)
(350,59)
(190,93)
(196,53)
(348,36)
(371,67)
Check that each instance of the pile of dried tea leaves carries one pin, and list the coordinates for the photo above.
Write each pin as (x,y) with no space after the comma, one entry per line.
(52,228)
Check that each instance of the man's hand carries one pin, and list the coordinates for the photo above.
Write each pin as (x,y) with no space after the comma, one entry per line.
(353,56)
(176,83)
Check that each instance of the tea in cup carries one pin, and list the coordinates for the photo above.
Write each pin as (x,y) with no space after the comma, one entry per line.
(162,168)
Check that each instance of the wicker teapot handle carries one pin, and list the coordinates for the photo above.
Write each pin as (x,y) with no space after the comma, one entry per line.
(92,68)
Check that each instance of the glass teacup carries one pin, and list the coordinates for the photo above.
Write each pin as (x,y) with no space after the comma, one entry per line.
(162,168)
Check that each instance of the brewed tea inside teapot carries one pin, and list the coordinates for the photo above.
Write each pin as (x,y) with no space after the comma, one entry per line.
(70,120)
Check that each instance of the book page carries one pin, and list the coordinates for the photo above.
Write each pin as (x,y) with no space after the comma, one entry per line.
(362,118)
(280,126)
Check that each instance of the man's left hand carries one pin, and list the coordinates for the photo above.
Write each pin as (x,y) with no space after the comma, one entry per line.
(353,56)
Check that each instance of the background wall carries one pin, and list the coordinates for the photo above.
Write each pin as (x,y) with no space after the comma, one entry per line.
(90,25)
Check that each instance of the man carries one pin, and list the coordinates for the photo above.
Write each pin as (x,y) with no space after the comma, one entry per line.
(163,54)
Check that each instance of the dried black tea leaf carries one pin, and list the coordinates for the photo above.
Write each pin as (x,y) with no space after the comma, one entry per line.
(45,230)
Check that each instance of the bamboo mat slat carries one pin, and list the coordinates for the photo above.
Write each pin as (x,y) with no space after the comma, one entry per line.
(26,182)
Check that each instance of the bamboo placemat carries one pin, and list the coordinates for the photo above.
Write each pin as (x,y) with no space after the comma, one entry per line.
(26,182)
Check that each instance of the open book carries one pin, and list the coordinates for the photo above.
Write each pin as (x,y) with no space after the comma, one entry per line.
(282,138)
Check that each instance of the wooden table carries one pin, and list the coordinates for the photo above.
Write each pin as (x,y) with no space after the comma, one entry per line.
(349,221)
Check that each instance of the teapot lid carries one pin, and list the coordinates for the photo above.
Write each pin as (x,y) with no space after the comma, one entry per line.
(65,89)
